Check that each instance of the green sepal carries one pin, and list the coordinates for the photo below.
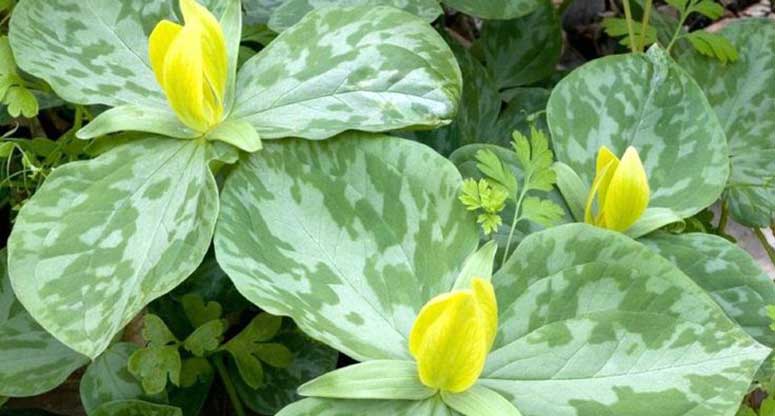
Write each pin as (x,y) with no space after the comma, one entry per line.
(572,188)
(478,264)
(479,401)
(653,219)
(238,133)
(377,379)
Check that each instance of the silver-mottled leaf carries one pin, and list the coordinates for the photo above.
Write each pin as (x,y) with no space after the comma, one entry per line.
(350,237)
(594,323)
(291,11)
(495,9)
(102,238)
(375,379)
(364,68)
(649,102)
(335,407)
(743,95)
(732,277)
(259,11)
(136,408)
(31,361)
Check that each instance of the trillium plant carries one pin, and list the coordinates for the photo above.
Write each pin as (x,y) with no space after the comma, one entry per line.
(378,208)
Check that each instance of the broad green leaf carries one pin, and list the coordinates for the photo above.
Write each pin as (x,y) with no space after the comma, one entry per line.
(652,220)
(743,95)
(480,401)
(524,50)
(136,408)
(376,379)
(107,378)
(31,361)
(102,238)
(365,68)
(291,11)
(293,216)
(311,359)
(478,112)
(206,338)
(336,407)
(133,117)
(728,273)
(594,323)
(495,9)
(649,102)
(259,11)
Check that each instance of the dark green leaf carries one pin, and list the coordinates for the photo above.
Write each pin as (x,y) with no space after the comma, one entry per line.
(199,313)
(206,338)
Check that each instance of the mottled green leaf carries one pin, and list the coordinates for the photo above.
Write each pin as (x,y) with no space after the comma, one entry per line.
(495,9)
(294,215)
(524,50)
(136,408)
(154,365)
(102,238)
(133,117)
(311,359)
(594,323)
(365,68)
(107,378)
(743,95)
(259,11)
(732,277)
(376,379)
(31,361)
(336,407)
(206,338)
(649,102)
(291,11)
(156,333)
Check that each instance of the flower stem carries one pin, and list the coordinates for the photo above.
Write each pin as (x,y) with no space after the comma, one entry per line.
(765,244)
(630,31)
(645,24)
(229,385)
(514,222)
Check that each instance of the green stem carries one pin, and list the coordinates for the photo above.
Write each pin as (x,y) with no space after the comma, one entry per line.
(723,219)
(677,32)
(514,223)
(229,385)
(765,244)
(645,24)
(628,17)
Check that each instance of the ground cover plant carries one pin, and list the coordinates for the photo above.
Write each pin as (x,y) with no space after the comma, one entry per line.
(374,207)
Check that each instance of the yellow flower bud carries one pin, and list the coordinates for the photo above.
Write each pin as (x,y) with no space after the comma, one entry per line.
(622,190)
(190,65)
(452,336)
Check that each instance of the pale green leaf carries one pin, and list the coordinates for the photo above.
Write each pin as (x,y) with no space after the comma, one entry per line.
(479,264)
(743,97)
(107,378)
(21,102)
(378,379)
(238,133)
(339,407)
(728,273)
(542,211)
(648,102)
(102,238)
(156,333)
(31,361)
(524,50)
(136,408)
(618,27)
(294,216)
(206,338)
(652,220)
(573,190)
(495,9)
(291,11)
(590,320)
(387,70)
(274,354)
(479,401)
(709,8)
(713,45)
(492,167)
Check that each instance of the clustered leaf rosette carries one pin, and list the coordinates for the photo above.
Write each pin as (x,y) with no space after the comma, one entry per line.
(102,238)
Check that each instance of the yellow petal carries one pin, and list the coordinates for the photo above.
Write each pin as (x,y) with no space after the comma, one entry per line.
(602,180)
(213,44)
(628,193)
(453,335)
(183,79)
(159,44)
(605,158)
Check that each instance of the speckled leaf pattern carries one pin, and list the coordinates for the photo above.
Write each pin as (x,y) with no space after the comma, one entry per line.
(594,323)
(524,50)
(350,237)
(495,9)
(136,408)
(291,11)
(102,238)
(107,378)
(330,407)
(743,95)
(649,102)
(728,273)
(31,361)
(366,68)
(91,51)
(259,11)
